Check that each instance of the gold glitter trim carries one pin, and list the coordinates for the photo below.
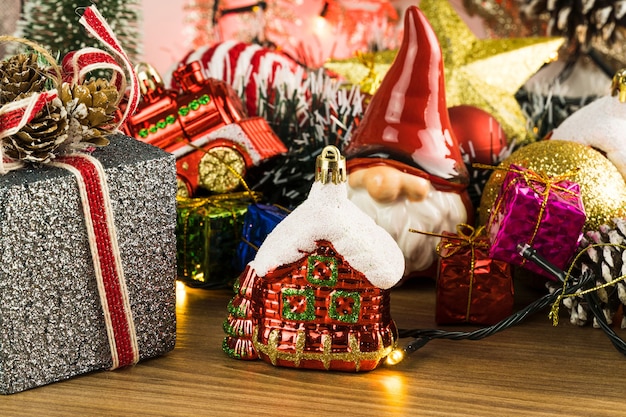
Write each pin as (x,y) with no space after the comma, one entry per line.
(354,355)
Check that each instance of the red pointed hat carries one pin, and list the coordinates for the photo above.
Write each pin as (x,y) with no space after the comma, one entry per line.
(406,124)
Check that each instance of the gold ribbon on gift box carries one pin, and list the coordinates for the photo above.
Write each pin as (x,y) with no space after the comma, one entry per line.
(225,202)
(467,236)
(532,178)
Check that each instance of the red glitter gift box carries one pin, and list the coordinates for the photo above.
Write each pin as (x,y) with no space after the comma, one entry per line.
(471,287)
(544,212)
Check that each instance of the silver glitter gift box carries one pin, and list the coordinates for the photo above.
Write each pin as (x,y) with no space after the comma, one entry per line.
(51,321)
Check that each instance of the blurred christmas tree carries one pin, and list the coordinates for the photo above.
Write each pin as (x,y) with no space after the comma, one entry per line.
(53,24)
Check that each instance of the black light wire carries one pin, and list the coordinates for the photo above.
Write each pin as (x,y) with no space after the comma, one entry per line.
(423,336)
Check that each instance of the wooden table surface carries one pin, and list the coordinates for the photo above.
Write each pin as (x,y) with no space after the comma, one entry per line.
(533,369)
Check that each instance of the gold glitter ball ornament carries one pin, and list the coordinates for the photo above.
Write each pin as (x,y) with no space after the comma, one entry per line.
(221,170)
(602,187)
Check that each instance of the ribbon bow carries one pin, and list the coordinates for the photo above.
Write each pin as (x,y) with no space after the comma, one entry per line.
(467,236)
(15,115)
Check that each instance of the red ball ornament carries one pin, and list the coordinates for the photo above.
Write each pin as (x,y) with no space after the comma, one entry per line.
(479,135)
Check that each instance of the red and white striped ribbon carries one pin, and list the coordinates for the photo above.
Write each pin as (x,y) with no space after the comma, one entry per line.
(14,116)
(95,24)
(77,64)
(92,183)
(105,254)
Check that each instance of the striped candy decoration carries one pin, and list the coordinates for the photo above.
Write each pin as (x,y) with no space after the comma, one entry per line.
(247,67)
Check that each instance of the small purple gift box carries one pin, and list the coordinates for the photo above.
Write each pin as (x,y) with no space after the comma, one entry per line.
(544,212)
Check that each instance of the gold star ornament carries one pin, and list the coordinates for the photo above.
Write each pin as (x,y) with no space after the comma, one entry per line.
(366,69)
(486,73)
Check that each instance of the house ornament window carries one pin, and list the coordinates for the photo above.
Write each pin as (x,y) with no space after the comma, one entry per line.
(322,271)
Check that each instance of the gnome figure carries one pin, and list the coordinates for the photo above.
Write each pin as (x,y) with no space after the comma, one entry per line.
(405,166)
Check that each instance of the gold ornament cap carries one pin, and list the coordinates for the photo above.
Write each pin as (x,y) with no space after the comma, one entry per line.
(618,85)
(150,80)
(330,166)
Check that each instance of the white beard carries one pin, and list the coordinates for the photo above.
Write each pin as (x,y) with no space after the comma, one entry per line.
(439,211)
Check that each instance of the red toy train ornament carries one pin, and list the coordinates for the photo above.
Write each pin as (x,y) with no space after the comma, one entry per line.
(204,125)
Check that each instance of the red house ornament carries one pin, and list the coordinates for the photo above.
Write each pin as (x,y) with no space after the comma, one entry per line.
(317,294)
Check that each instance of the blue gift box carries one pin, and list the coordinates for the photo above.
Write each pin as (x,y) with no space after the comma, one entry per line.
(259,221)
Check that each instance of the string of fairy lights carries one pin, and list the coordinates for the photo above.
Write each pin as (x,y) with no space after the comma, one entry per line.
(583,286)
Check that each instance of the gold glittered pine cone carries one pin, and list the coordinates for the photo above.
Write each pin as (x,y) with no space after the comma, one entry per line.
(38,140)
(20,76)
(91,109)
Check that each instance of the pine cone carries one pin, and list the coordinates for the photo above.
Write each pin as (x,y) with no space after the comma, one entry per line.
(20,76)
(607,263)
(40,138)
(90,108)
(580,20)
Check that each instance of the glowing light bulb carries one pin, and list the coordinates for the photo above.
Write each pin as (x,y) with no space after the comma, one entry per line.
(395,357)
(181,294)
(553,57)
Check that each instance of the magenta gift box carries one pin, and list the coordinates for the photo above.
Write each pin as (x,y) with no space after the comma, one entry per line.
(545,212)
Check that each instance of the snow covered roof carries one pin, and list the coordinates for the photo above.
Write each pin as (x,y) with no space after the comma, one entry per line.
(327,214)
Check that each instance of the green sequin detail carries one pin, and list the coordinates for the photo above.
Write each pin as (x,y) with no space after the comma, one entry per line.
(183,111)
(345,306)
(205,99)
(322,270)
(230,330)
(298,304)
(237,312)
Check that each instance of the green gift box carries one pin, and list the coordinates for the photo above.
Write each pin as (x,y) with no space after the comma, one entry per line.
(208,231)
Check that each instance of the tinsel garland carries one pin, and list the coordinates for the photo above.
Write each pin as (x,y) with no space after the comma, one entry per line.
(544,113)
(308,111)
